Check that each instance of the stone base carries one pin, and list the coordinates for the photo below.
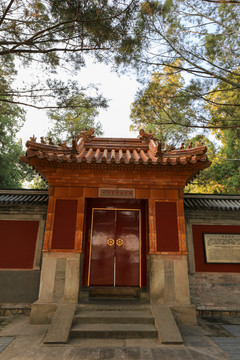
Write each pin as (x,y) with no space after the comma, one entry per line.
(185,314)
(169,280)
(42,313)
(60,279)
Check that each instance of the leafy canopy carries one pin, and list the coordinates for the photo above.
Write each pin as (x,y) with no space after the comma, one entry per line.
(204,36)
(55,35)
(12,170)
(67,123)
(161,108)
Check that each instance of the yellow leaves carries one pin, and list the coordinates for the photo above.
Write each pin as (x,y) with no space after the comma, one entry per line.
(36,7)
(209,187)
(145,8)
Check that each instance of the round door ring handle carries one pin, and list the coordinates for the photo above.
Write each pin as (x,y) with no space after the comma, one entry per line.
(110,242)
(119,242)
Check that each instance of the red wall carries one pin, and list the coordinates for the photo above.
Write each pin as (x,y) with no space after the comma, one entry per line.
(199,254)
(167,228)
(64,224)
(17,244)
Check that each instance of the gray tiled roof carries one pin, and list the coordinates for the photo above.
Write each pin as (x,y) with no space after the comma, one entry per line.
(211,202)
(191,201)
(23,196)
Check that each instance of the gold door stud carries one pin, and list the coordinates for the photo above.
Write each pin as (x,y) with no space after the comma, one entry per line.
(119,242)
(110,242)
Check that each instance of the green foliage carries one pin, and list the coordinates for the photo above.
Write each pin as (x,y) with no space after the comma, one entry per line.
(12,170)
(65,30)
(38,183)
(227,167)
(55,35)
(69,122)
(205,181)
(224,174)
(204,36)
(144,34)
(161,108)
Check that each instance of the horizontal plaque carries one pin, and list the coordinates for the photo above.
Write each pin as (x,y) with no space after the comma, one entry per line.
(222,248)
(117,193)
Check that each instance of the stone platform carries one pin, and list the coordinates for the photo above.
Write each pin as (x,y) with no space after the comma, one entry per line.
(216,339)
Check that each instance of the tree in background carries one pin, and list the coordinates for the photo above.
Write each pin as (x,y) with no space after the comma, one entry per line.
(204,35)
(163,107)
(12,170)
(38,183)
(160,107)
(205,181)
(226,169)
(224,174)
(55,35)
(198,40)
(147,35)
(69,122)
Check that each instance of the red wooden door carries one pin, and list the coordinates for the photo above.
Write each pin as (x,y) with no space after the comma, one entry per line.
(127,248)
(115,248)
(102,247)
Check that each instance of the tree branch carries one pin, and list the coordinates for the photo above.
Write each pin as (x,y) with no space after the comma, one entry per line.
(223,1)
(6,11)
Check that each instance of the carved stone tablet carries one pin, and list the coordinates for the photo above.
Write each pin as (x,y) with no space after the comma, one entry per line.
(222,248)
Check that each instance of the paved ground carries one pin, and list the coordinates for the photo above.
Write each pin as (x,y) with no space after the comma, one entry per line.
(211,340)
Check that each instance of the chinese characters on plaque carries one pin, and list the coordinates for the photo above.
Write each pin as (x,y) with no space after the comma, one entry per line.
(117,193)
(222,248)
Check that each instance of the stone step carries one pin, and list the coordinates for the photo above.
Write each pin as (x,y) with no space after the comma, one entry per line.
(115,316)
(113,331)
(106,294)
(114,292)
(112,306)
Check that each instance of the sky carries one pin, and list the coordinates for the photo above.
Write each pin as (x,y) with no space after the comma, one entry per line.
(115,120)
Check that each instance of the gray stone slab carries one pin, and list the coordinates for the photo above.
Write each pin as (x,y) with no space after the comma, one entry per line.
(112,330)
(81,342)
(5,341)
(231,346)
(61,324)
(213,329)
(170,354)
(42,313)
(114,316)
(233,329)
(191,331)
(168,331)
(112,306)
(196,355)
(28,345)
(185,315)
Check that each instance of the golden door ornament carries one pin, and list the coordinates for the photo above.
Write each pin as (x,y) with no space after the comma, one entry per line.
(119,242)
(110,242)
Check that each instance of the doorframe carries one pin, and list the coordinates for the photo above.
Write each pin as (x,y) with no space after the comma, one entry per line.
(140,241)
(115,204)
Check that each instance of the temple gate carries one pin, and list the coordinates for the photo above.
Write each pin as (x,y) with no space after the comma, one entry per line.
(115,218)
